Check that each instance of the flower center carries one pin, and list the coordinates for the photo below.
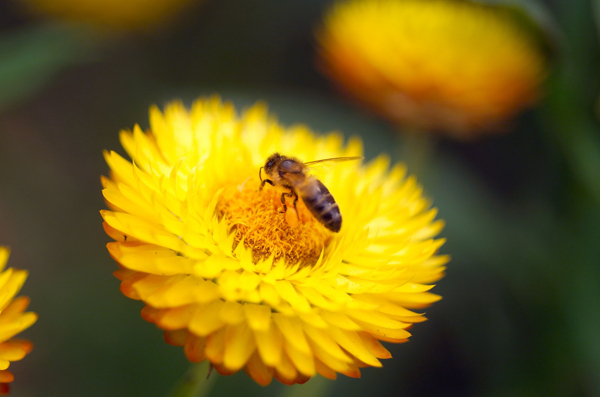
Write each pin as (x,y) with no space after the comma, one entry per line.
(257,218)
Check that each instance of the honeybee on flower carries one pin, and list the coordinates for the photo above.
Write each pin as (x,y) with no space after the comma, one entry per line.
(291,173)
(232,280)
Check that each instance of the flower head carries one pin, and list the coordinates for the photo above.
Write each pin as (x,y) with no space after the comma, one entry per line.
(452,66)
(13,319)
(126,15)
(238,281)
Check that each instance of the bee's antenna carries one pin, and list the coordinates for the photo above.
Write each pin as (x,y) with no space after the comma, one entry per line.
(260,173)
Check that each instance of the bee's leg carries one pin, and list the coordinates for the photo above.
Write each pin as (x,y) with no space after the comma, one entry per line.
(288,194)
(262,184)
(295,199)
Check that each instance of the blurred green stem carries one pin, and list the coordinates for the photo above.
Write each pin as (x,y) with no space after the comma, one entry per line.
(581,147)
(316,387)
(195,382)
(569,106)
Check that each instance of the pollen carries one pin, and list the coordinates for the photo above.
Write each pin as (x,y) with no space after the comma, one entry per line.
(257,218)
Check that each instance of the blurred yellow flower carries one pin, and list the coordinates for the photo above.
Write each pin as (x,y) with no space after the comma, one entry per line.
(451,66)
(127,15)
(12,319)
(236,281)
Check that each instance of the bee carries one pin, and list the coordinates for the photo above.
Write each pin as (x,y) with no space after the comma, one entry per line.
(292,174)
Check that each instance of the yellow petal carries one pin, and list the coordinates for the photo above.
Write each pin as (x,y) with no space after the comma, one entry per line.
(354,345)
(194,348)
(178,291)
(23,321)
(321,338)
(4,254)
(239,346)
(248,281)
(269,294)
(324,370)
(374,346)
(215,346)
(292,331)
(285,371)
(232,313)
(386,334)
(176,318)
(207,319)
(6,377)
(258,370)
(206,291)
(376,318)
(330,361)
(258,316)
(317,299)
(176,337)
(270,345)
(313,319)
(18,305)
(305,363)
(286,290)
(11,352)
(340,320)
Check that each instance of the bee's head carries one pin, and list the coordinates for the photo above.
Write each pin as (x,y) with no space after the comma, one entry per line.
(272,162)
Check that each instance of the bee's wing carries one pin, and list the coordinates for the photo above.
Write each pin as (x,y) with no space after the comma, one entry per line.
(334,160)
(321,166)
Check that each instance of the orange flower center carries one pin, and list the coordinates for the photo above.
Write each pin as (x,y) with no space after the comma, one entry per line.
(257,218)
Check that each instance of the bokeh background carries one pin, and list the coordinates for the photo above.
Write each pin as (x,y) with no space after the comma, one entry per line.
(521,308)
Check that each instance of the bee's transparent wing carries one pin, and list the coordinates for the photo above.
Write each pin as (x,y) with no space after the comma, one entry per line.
(320,166)
(334,159)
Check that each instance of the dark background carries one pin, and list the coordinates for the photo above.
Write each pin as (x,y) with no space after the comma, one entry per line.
(521,308)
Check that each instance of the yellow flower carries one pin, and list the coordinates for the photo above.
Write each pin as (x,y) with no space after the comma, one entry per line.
(235,280)
(451,66)
(127,15)
(12,319)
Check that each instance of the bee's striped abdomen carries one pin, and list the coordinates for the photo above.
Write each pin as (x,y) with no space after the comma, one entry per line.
(321,204)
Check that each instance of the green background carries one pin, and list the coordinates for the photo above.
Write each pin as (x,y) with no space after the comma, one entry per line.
(521,308)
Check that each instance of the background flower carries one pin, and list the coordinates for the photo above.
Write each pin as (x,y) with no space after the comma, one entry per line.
(452,66)
(13,320)
(233,280)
